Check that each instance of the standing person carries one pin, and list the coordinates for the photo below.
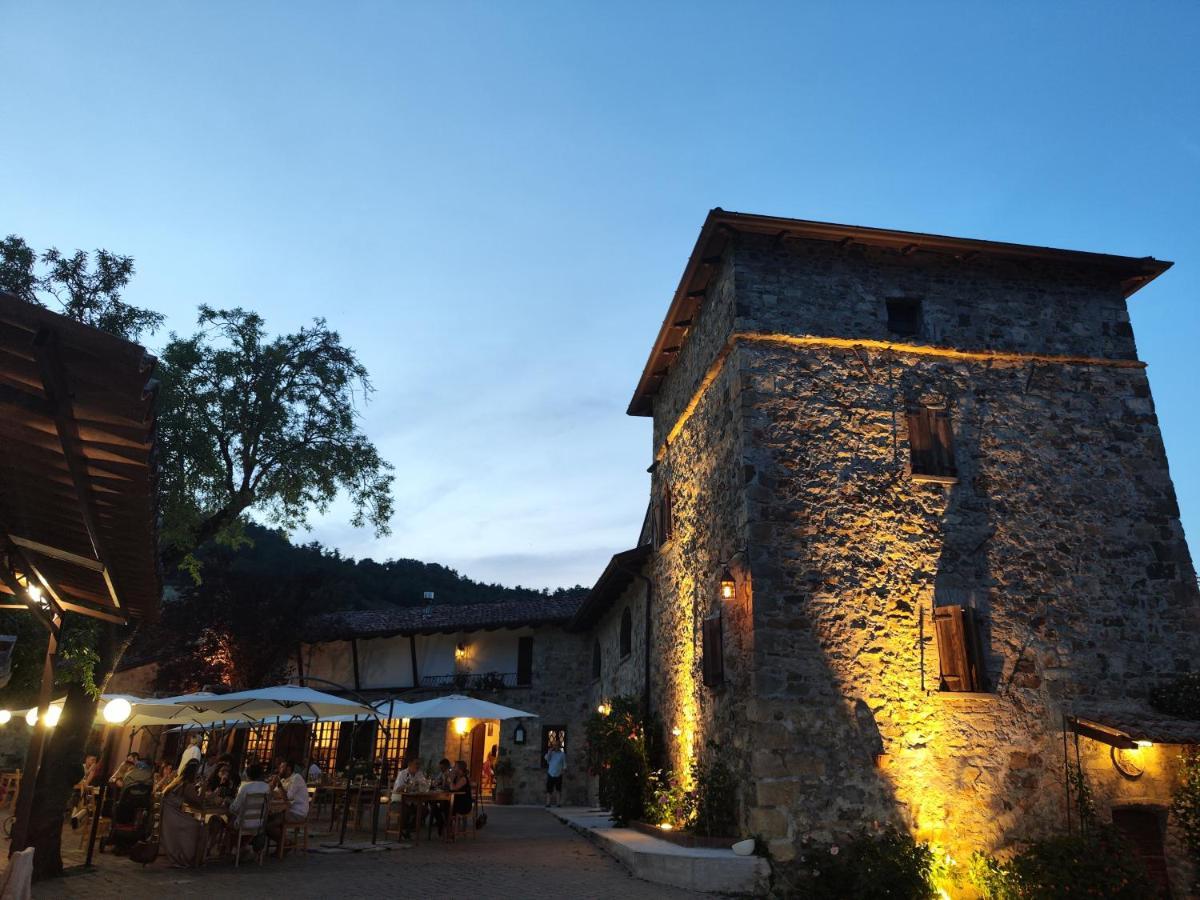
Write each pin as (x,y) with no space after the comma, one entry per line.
(556,764)
(192,752)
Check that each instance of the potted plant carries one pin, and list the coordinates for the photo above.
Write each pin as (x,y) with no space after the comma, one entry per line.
(503,771)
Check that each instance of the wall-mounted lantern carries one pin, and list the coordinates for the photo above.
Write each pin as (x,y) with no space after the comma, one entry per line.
(728,585)
(460,651)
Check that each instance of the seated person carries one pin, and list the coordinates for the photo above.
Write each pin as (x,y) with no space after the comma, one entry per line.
(314,773)
(411,780)
(290,785)
(441,781)
(460,785)
(221,786)
(244,810)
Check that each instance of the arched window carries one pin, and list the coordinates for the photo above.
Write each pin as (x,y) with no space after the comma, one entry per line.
(596,659)
(626,632)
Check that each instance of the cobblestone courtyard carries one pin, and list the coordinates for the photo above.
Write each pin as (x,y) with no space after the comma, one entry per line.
(523,852)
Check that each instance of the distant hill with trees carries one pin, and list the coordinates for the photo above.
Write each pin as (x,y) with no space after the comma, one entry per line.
(237,626)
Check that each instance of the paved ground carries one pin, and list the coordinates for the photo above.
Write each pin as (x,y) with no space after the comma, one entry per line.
(522,852)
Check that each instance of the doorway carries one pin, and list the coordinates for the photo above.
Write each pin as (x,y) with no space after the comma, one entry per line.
(1142,827)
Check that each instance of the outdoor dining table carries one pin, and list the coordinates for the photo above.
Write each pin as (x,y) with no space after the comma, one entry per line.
(342,792)
(428,799)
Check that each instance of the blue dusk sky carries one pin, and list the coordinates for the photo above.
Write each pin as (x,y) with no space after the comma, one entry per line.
(493,202)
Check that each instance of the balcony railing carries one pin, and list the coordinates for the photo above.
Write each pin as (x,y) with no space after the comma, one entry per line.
(471,681)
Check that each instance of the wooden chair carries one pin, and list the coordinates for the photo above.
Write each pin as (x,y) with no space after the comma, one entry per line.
(464,823)
(10,786)
(299,834)
(251,824)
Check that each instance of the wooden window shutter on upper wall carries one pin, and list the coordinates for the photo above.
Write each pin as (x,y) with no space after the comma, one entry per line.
(524,660)
(712,652)
(931,442)
(957,648)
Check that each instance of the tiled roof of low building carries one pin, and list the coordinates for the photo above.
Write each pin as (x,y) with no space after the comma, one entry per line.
(444,617)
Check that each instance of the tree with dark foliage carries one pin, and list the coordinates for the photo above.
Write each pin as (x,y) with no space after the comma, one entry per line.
(247,423)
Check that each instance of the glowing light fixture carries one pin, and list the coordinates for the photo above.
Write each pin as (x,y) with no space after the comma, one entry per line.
(460,651)
(31,717)
(35,593)
(727,584)
(677,731)
(53,714)
(462,726)
(1143,744)
(604,709)
(5,716)
(117,710)
(666,826)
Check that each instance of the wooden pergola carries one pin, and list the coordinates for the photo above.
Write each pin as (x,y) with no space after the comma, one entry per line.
(78,484)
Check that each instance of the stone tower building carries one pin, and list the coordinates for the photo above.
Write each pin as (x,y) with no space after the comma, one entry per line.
(929,473)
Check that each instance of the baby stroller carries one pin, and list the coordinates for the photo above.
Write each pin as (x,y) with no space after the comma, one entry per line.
(132,819)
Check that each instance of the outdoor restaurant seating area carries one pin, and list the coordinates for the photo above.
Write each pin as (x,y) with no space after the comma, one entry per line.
(211,791)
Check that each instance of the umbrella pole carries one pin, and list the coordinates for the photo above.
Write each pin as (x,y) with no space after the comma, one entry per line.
(96,813)
(346,799)
(383,780)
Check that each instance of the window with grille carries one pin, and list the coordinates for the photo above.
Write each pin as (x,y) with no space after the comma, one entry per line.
(553,734)
(323,746)
(931,442)
(260,743)
(391,743)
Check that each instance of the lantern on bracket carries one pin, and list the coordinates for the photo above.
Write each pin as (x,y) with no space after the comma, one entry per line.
(728,585)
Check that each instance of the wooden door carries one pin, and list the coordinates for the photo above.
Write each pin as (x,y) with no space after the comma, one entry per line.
(478,739)
(1142,829)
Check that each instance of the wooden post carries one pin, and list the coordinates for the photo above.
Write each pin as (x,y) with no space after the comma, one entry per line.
(105,758)
(37,744)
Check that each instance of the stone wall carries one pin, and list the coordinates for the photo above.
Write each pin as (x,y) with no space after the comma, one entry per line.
(559,696)
(1062,532)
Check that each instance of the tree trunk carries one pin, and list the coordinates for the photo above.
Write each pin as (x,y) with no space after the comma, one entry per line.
(62,759)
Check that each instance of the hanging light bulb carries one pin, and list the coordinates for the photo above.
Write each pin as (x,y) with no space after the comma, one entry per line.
(53,714)
(31,717)
(117,710)
(5,716)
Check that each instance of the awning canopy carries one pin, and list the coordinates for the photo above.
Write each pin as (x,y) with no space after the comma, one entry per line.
(78,511)
(286,701)
(1125,727)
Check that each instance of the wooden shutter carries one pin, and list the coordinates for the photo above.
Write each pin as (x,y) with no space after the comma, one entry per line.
(712,652)
(956,648)
(525,661)
(931,441)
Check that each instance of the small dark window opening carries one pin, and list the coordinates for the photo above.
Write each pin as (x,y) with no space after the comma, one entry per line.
(596,659)
(524,661)
(626,633)
(960,652)
(1142,829)
(904,316)
(553,734)
(931,442)
(664,519)
(712,652)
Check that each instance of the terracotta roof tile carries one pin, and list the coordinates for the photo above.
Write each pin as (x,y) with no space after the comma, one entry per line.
(445,617)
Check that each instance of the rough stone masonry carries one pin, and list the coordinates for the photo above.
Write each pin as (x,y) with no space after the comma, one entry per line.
(782,389)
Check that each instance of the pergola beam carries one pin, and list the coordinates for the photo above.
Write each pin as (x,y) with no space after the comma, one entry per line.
(54,381)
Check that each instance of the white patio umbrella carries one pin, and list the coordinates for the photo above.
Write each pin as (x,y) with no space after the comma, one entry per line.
(283,702)
(458,706)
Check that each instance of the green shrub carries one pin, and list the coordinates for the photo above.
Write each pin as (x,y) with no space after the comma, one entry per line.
(716,792)
(616,749)
(889,865)
(1179,697)
(1185,806)
(668,803)
(1066,866)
